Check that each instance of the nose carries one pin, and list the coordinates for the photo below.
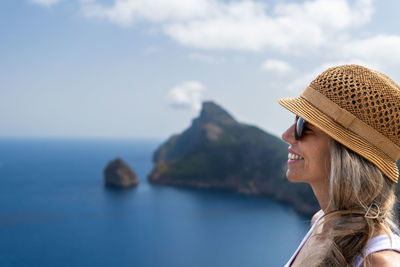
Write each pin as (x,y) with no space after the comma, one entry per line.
(288,135)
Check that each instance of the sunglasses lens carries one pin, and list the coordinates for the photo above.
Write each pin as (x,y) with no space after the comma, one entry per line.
(298,131)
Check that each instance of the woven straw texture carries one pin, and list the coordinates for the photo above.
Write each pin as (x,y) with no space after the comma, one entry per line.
(367,97)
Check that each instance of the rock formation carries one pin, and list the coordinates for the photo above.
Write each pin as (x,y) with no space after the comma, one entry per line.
(216,151)
(119,174)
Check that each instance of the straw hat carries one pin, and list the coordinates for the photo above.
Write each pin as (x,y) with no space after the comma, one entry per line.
(359,108)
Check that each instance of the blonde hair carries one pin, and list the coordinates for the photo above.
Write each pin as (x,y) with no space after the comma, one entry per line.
(362,200)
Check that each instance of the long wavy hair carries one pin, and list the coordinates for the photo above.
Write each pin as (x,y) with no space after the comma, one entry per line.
(362,203)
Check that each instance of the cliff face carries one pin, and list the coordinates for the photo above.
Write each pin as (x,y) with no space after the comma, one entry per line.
(216,151)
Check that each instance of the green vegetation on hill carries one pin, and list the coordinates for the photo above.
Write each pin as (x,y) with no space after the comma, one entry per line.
(218,152)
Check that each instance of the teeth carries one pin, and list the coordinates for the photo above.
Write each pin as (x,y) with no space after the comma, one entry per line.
(294,156)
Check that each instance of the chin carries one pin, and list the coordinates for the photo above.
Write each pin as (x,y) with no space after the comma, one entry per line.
(294,178)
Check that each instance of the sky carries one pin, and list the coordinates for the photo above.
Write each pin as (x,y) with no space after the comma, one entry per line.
(142,68)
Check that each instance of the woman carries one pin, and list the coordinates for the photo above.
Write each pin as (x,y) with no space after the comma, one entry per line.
(345,143)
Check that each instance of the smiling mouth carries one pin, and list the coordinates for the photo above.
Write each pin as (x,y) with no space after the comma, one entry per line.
(292,156)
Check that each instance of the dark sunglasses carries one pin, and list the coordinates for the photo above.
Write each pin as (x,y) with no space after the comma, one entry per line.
(299,127)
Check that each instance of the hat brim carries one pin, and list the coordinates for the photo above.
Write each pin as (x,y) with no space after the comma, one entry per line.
(307,111)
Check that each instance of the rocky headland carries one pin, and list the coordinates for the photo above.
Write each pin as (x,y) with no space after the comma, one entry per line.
(218,152)
(118,174)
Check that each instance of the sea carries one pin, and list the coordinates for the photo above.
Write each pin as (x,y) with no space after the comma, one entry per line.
(56,211)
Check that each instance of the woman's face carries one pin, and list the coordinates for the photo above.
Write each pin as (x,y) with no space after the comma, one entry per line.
(309,157)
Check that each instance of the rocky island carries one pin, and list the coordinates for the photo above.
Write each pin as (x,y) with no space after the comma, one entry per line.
(218,152)
(119,174)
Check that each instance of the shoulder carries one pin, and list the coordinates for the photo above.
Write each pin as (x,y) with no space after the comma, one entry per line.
(385,258)
(316,216)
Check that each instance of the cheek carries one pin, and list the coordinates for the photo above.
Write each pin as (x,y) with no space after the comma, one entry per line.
(324,163)
(320,162)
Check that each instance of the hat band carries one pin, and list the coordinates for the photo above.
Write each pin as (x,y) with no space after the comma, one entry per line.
(351,122)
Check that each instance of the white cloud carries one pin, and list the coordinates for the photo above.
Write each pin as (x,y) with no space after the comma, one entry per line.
(376,49)
(245,26)
(332,14)
(327,30)
(241,25)
(276,66)
(45,2)
(324,30)
(126,12)
(187,95)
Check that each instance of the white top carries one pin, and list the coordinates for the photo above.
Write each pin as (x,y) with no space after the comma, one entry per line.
(376,244)
(379,243)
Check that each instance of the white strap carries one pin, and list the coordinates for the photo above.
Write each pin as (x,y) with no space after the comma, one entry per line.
(379,243)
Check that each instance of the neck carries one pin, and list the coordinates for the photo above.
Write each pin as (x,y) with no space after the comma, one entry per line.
(321,192)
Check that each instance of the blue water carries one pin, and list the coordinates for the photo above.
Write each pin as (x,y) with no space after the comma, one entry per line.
(55,211)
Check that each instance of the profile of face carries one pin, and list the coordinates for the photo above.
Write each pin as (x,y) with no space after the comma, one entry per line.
(309,158)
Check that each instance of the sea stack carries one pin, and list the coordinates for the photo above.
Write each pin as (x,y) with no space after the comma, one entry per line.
(119,174)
